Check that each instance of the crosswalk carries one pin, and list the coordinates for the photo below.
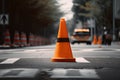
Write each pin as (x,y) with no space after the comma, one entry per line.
(74,73)
(85,67)
(32,74)
(14,60)
(67,73)
(77,59)
(56,72)
(18,74)
(82,60)
(9,61)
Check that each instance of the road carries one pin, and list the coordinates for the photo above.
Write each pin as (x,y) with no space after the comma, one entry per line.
(93,62)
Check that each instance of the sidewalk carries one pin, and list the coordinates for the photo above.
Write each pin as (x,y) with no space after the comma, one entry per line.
(116,43)
(8,47)
(4,47)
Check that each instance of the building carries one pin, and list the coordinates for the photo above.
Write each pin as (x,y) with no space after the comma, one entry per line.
(117,17)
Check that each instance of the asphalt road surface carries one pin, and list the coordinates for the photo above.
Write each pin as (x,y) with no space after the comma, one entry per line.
(93,62)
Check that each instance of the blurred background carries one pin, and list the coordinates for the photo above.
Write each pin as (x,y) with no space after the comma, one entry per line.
(41,18)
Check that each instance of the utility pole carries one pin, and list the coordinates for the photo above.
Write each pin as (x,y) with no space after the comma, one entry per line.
(2,29)
(114,3)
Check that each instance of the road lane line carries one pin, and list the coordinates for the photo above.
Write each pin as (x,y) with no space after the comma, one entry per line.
(87,50)
(10,61)
(82,60)
(117,49)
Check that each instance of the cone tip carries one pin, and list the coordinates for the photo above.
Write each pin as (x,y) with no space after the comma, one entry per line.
(62,18)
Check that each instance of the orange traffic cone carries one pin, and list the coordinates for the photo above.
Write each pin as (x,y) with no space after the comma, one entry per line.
(30,42)
(63,51)
(7,40)
(16,39)
(99,42)
(95,39)
(23,40)
(35,40)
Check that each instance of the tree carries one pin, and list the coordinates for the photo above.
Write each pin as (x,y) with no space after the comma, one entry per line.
(78,9)
(100,10)
(104,18)
(34,16)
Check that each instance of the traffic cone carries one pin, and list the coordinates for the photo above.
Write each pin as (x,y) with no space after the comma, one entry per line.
(41,40)
(16,42)
(30,42)
(23,40)
(63,52)
(35,40)
(7,40)
(99,42)
(95,39)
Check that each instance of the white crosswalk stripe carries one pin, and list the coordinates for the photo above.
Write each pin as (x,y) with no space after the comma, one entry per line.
(29,51)
(82,60)
(87,50)
(16,73)
(74,73)
(10,61)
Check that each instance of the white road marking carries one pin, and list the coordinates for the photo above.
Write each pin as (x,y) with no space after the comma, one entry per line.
(29,50)
(74,73)
(82,60)
(58,73)
(87,50)
(19,73)
(10,61)
(118,49)
(98,49)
